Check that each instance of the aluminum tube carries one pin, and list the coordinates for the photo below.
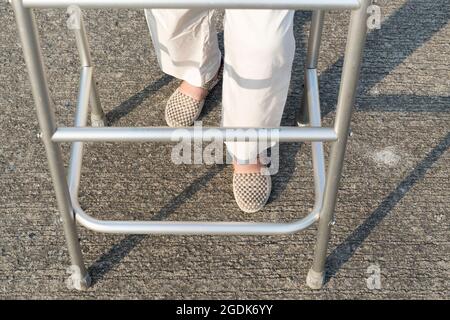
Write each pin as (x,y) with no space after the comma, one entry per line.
(185,227)
(81,39)
(318,158)
(86,61)
(165,134)
(192,227)
(81,112)
(347,91)
(312,95)
(315,37)
(186,4)
(81,115)
(45,111)
(179,228)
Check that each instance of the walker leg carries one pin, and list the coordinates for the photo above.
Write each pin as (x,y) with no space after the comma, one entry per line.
(98,118)
(349,81)
(315,36)
(33,57)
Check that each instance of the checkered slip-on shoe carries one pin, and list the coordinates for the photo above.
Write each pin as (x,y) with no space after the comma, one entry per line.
(251,190)
(182,110)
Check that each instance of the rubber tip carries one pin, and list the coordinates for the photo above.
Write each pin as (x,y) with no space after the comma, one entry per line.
(98,121)
(301,124)
(302,118)
(315,279)
(83,284)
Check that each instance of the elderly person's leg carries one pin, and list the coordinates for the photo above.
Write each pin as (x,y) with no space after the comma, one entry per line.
(186,46)
(259,51)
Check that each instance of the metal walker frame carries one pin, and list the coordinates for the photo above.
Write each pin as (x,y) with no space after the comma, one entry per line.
(326,186)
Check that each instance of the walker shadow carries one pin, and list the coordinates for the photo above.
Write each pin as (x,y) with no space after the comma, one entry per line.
(114,256)
(376,50)
(424,29)
(344,251)
(136,100)
(387,57)
(422,32)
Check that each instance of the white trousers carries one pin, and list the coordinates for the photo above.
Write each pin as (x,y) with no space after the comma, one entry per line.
(259,50)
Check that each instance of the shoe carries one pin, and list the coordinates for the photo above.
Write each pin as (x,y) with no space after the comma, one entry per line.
(182,110)
(251,190)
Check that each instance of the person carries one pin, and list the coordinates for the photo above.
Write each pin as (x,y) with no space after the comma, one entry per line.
(259,50)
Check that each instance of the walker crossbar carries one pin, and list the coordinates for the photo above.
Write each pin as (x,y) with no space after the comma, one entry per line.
(164,134)
(309,126)
(183,4)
